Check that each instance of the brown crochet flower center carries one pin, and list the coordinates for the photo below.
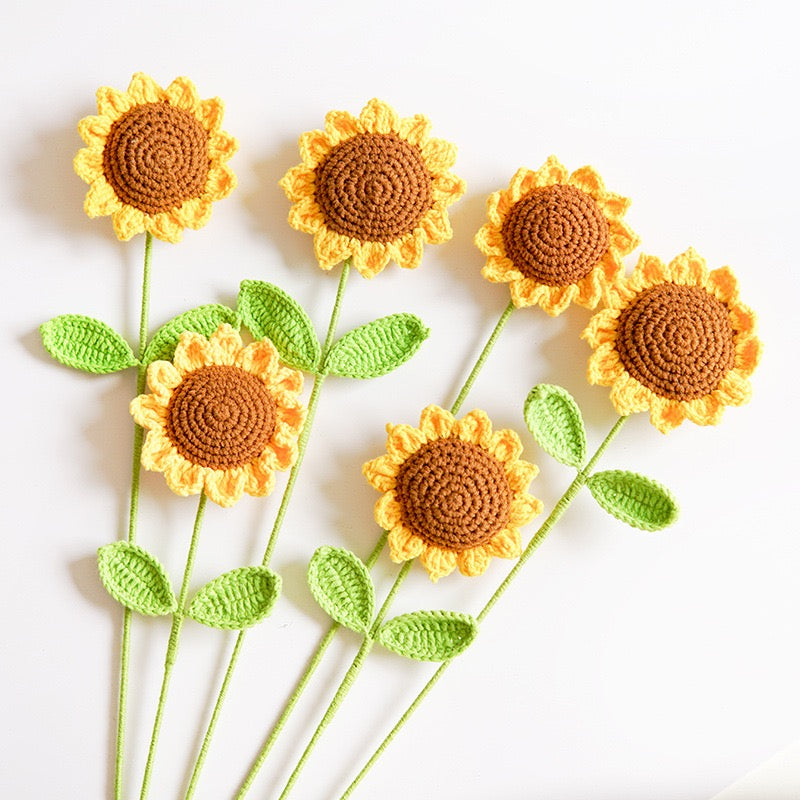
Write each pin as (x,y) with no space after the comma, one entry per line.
(555,235)
(156,157)
(374,187)
(221,417)
(676,340)
(453,494)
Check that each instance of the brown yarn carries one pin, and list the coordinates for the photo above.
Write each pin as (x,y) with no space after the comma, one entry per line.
(453,494)
(676,340)
(221,417)
(156,157)
(555,235)
(374,187)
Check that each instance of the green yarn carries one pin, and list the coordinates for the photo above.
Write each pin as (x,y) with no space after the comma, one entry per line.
(376,348)
(429,635)
(555,421)
(203,319)
(341,584)
(237,599)
(87,344)
(136,578)
(634,499)
(269,312)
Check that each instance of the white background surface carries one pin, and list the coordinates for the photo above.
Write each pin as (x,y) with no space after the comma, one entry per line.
(621,665)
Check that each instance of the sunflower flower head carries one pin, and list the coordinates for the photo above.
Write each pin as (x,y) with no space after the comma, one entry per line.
(155,158)
(556,238)
(221,417)
(454,492)
(675,340)
(372,189)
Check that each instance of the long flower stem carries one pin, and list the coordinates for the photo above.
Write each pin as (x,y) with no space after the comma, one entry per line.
(348,680)
(326,640)
(172,646)
(299,689)
(560,507)
(276,527)
(136,469)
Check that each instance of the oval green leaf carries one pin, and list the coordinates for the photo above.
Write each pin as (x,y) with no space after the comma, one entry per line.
(341,584)
(135,578)
(555,421)
(634,499)
(429,635)
(377,348)
(86,343)
(203,319)
(237,599)
(268,312)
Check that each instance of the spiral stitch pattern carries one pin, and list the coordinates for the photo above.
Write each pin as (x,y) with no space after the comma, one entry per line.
(156,157)
(453,494)
(221,417)
(373,187)
(676,340)
(555,235)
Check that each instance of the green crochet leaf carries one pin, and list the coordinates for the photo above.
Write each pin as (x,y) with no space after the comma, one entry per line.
(634,499)
(203,319)
(342,586)
(429,635)
(554,419)
(376,348)
(135,578)
(86,343)
(268,312)
(237,599)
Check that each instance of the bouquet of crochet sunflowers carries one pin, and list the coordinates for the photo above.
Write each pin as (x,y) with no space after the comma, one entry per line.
(219,414)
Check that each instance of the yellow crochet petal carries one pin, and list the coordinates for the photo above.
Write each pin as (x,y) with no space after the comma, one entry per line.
(298,184)
(388,513)
(474,561)
(409,250)
(588,180)
(184,478)
(259,478)
(100,200)
(551,172)
(94,130)
(629,396)
(381,473)
(704,410)
(527,292)
(225,487)
(162,378)
(438,562)
(475,427)
(148,411)
(520,474)
(558,299)
(436,423)
(748,354)
(182,94)
(210,113)
(226,345)
(439,155)
(523,509)
(403,440)
(314,147)
(157,451)
(602,328)
(404,545)
(378,117)
(88,164)
(734,389)
(112,103)
(505,445)
(127,222)
(506,544)
(370,258)
(604,365)
(666,415)
(415,130)
(436,225)
(723,285)
(261,359)
(193,351)
(221,182)
(340,126)
(499,269)
(305,216)
(688,269)
(143,89)
(165,227)
(330,248)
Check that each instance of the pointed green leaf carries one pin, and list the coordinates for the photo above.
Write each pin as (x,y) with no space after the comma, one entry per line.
(203,319)
(268,312)
(554,419)
(429,635)
(86,343)
(342,586)
(377,348)
(237,599)
(135,578)
(634,499)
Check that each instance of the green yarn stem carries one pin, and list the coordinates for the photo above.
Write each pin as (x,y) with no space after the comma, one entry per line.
(136,471)
(300,688)
(348,680)
(487,349)
(276,527)
(560,507)
(172,646)
(319,653)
